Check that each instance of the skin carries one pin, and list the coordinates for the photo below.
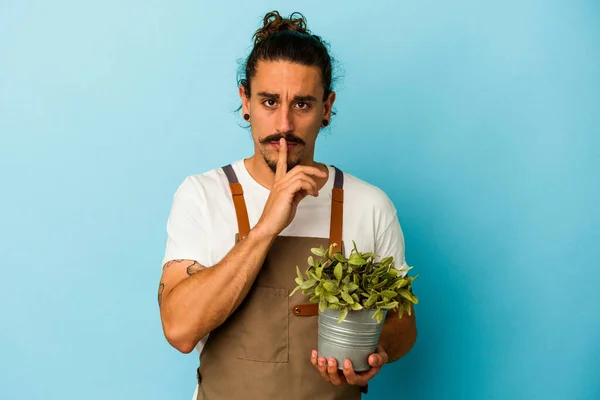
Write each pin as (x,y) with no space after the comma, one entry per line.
(287,108)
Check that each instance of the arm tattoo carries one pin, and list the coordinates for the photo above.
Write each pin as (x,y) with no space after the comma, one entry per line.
(191,269)
(168,264)
(161,288)
(194,268)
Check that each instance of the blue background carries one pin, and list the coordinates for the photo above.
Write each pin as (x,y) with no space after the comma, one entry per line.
(481,122)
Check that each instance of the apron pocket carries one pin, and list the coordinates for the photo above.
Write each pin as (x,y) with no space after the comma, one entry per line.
(261,329)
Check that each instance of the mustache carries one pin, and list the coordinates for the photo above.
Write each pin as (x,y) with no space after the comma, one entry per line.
(290,138)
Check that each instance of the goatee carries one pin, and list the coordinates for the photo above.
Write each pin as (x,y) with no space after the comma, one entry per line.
(273,164)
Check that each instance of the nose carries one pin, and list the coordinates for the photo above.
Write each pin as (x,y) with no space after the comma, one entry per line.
(284,123)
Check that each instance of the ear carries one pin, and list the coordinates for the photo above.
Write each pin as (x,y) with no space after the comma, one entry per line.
(245,100)
(328,105)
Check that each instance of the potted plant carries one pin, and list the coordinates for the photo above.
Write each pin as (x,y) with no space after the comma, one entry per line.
(354,296)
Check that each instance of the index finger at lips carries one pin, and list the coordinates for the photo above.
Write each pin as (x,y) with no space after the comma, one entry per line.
(282,161)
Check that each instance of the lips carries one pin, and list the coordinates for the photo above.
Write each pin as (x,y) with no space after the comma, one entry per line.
(290,145)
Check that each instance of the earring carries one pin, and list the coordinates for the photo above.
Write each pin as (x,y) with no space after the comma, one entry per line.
(247,117)
(325,122)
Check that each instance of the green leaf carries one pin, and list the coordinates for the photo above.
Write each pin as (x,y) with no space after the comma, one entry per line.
(339,257)
(356,259)
(355,297)
(330,286)
(347,298)
(309,283)
(399,283)
(381,284)
(319,272)
(406,294)
(294,291)
(338,271)
(371,300)
(351,287)
(322,304)
(391,305)
(343,314)
(299,281)
(318,251)
(319,288)
(387,260)
(315,299)
(381,270)
(298,272)
(311,261)
(356,306)
(312,275)
(389,294)
(378,315)
(405,270)
(332,299)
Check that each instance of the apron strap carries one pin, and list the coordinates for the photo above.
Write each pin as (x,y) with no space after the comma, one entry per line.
(337,210)
(239,203)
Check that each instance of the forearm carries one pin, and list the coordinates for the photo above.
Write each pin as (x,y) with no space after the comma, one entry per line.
(398,335)
(202,302)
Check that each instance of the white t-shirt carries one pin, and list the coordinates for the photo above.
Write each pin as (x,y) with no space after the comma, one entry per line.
(202,223)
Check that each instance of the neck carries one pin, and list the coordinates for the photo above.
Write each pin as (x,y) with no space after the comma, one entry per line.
(261,173)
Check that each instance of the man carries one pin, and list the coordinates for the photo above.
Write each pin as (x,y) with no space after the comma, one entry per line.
(236,234)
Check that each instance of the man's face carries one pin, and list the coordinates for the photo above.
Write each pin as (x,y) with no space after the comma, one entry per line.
(286,101)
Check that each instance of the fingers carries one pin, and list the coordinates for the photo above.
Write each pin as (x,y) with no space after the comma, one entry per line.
(360,378)
(334,374)
(379,358)
(330,372)
(282,161)
(302,183)
(365,377)
(321,365)
(305,170)
(351,376)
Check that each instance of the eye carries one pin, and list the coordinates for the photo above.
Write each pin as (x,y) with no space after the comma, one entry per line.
(302,105)
(269,103)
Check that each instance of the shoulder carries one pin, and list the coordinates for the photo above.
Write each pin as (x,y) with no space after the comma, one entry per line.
(200,185)
(367,195)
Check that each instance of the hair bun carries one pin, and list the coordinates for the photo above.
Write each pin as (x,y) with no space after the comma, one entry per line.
(274,23)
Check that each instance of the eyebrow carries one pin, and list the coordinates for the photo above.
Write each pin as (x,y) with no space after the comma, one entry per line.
(273,96)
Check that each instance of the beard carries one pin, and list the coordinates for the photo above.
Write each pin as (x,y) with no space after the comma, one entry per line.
(272,164)
(294,158)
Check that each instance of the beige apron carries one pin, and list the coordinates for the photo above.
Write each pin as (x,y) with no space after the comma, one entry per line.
(262,351)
